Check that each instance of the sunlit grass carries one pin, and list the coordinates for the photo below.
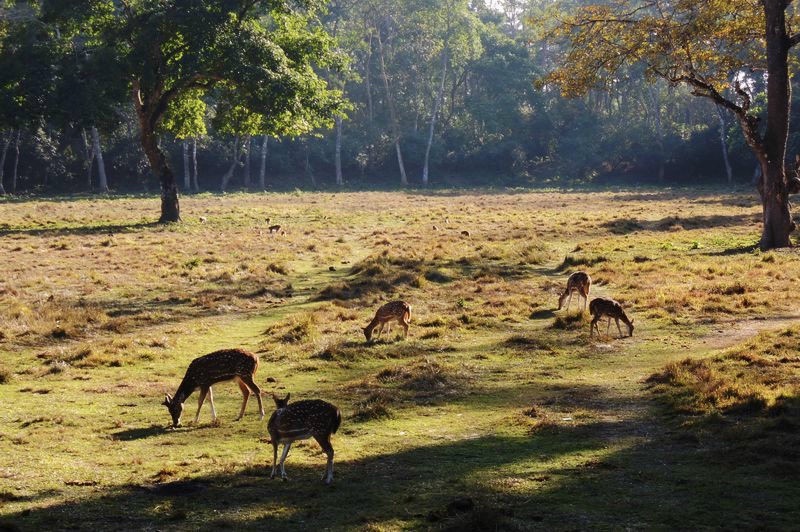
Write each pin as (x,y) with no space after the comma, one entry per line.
(494,397)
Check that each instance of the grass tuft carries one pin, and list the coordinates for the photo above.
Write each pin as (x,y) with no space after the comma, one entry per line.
(374,406)
(568,322)
(571,261)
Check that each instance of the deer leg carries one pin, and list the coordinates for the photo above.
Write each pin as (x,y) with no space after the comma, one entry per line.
(245,396)
(569,301)
(325,443)
(404,323)
(200,400)
(592,327)
(618,329)
(286,447)
(211,400)
(608,326)
(248,380)
(274,455)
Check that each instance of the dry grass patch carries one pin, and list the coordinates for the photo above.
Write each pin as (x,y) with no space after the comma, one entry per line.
(748,396)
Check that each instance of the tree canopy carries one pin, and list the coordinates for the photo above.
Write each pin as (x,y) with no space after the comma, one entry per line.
(717,48)
(169,53)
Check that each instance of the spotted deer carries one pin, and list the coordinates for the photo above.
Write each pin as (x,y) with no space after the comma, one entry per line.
(311,418)
(603,306)
(219,366)
(577,282)
(394,310)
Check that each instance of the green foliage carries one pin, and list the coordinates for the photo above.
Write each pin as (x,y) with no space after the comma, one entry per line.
(185,116)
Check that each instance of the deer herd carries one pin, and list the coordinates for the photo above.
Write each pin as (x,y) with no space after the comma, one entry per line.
(318,419)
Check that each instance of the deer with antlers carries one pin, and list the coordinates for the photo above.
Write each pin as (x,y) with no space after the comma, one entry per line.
(311,418)
(219,366)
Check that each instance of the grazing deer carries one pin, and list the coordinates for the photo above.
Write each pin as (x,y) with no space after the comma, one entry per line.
(274,228)
(300,421)
(603,306)
(219,366)
(395,310)
(577,282)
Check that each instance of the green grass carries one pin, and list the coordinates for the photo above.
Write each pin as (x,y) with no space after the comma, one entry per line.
(497,412)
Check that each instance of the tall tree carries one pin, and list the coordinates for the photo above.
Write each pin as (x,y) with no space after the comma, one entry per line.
(713,47)
(264,51)
(451,32)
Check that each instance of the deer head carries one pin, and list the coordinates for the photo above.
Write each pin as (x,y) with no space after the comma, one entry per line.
(281,403)
(175,410)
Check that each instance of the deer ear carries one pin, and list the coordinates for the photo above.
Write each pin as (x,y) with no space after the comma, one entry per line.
(167,400)
(287,397)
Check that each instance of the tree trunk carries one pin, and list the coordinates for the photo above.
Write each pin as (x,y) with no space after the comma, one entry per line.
(88,155)
(392,114)
(6,144)
(436,106)
(234,161)
(148,112)
(170,207)
(368,84)
(656,103)
(101,166)
(777,216)
(246,148)
(728,171)
(262,171)
(16,164)
(196,183)
(187,171)
(309,170)
(338,153)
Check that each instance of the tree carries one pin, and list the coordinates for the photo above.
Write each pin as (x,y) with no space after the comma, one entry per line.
(714,47)
(185,119)
(452,33)
(240,122)
(263,51)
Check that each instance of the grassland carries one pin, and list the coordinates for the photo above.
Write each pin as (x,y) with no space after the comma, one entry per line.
(496,413)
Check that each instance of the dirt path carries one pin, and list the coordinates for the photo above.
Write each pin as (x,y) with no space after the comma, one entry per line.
(730,333)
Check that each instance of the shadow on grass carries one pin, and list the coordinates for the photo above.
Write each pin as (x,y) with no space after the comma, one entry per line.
(387,275)
(110,229)
(560,478)
(623,226)
(139,433)
(738,250)
(543,314)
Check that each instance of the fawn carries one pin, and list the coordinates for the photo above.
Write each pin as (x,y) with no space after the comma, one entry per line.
(299,421)
(603,306)
(394,310)
(577,282)
(219,366)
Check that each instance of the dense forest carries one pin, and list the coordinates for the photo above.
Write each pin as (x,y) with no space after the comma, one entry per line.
(444,93)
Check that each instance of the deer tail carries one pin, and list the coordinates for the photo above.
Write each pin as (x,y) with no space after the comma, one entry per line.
(336,422)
